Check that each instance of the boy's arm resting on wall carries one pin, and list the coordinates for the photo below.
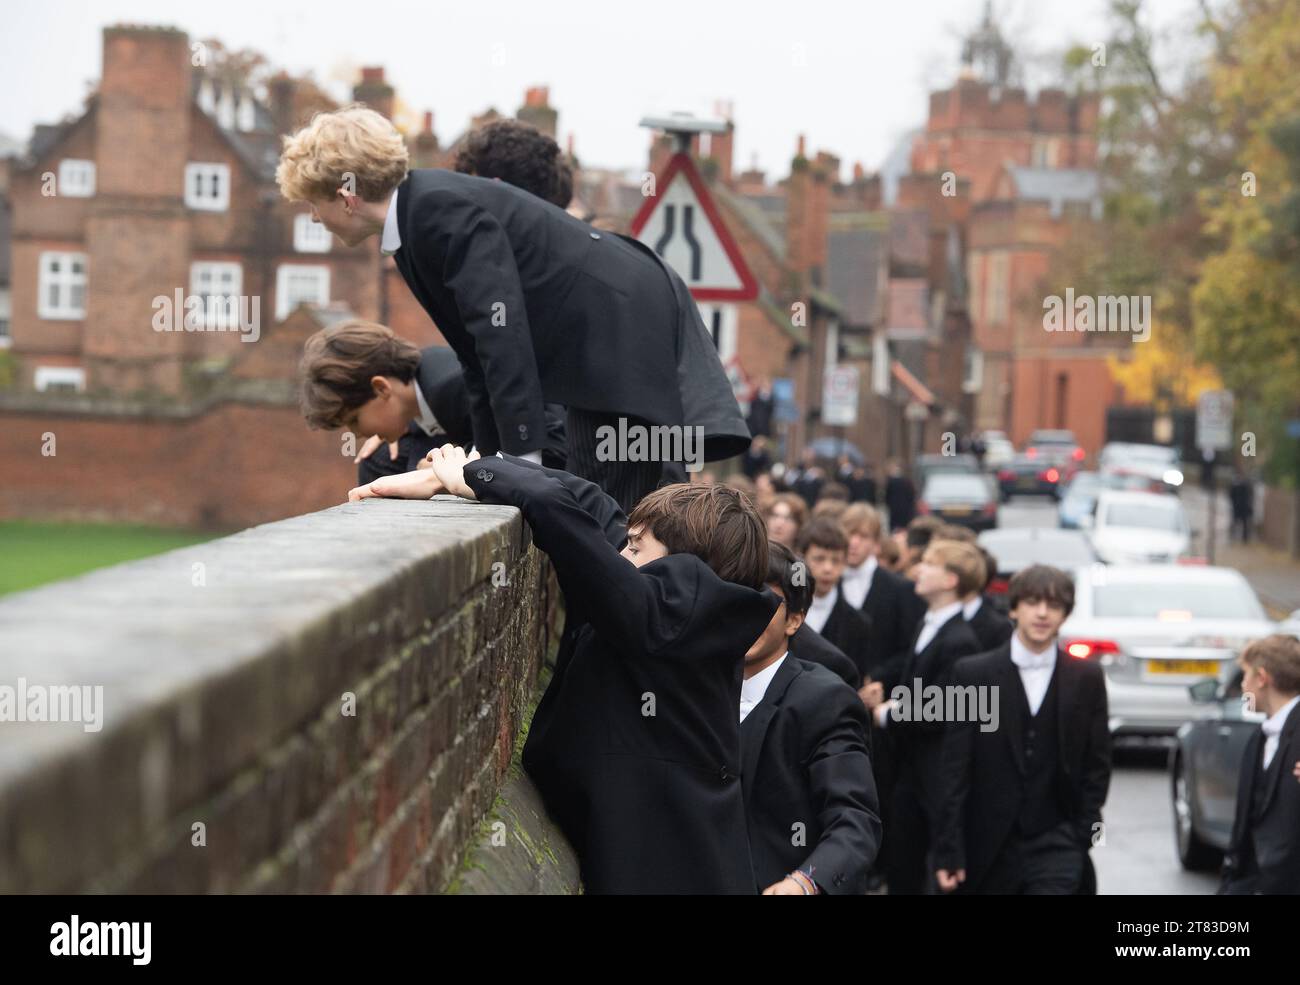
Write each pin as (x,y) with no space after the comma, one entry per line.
(602,507)
(478,267)
(612,595)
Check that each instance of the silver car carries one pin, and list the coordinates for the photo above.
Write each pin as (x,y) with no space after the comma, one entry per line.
(1155,630)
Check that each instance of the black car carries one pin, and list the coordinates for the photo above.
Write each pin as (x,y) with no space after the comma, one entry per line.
(1204,769)
(959,498)
(1027,475)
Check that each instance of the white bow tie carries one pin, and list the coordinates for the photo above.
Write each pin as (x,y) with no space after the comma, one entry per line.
(1034,661)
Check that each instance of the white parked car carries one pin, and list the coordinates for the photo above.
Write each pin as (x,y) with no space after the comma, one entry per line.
(1155,629)
(1138,528)
(1158,464)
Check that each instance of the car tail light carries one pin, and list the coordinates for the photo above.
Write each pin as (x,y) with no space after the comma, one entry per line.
(1077,454)
(999,586)
(1031,453)
(922,507)
(990,509)
(1006,475)
(1049,475)
(1191,559)
(1102,650)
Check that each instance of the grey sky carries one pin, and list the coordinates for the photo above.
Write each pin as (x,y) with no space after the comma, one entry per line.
(867,65)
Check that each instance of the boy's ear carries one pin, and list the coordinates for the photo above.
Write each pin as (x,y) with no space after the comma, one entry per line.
(792,624)
(381,386)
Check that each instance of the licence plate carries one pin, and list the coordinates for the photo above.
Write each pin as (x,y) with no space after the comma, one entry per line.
(1207,668)
(1027,482)
(957,510)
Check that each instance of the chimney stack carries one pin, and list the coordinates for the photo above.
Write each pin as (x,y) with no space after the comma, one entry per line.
(537,111)
(374,91)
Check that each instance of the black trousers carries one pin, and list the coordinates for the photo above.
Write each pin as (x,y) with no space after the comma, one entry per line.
(908,870)
(1047,864)
(626,481)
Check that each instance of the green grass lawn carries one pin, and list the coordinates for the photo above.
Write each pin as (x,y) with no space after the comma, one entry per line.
(34,554)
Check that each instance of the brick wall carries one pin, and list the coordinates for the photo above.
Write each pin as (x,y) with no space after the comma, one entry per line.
(225,466)
(224,708)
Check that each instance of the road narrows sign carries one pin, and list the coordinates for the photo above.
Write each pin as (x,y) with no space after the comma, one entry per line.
(681,223)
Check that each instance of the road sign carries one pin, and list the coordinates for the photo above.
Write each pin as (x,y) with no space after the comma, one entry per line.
(1214,420)
(681,223)
(840,396)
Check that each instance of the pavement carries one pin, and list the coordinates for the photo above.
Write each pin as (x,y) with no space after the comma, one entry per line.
(1274,574)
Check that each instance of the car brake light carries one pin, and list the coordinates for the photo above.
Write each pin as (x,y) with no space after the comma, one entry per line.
(1005,475)
(1091,649)
(990,509)
(998,586)
(1031,453)
(1049,475)
(1077,454)
(1189,559)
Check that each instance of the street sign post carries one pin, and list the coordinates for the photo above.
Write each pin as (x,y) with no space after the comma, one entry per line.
(840,396)
(1213,435)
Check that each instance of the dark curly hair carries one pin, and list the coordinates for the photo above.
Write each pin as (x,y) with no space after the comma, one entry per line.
(520,155)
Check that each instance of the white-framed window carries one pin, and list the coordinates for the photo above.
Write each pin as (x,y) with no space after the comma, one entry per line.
(67,379)
(62,286)
(298,283)
(207,187)
(76,178)
(220,285)
(309,236)
(973,371)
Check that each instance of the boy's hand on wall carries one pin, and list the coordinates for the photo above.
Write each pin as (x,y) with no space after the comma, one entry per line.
(420,484)
(368,449)
(448,464)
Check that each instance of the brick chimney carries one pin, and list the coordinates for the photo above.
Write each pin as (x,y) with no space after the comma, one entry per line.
(280,92)
(537,111)
(807,217)
(721,149)
(374,91)
(661,149)
(137,227)
(424,150)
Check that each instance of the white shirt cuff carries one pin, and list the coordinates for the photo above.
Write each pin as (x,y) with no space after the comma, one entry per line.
(532,456)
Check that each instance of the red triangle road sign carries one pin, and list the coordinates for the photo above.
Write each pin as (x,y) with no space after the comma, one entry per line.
(682,224)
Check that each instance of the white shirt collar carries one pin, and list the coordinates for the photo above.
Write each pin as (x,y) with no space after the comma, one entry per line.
(753,688)
(819,610)
(391,241)
(856,582)
(969,609)
(1273,724)
(937,617)
(427,422)
(1027,659)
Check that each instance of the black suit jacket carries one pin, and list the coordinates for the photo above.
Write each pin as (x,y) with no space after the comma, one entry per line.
(983,776)
(812,647)
(538,306)
(1264,854)
(990,627)
(635,746)
(918,745)
(810,799)
(849,630)
(895,611)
